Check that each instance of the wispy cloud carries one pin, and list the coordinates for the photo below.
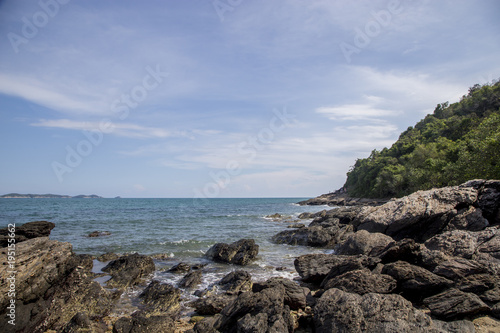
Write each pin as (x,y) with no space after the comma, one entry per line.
(119,129)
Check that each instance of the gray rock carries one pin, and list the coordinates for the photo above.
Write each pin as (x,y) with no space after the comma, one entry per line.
(339,311)
(362,281)
(454,303)
(316,236)
(420,215)
(414,253)
(129,270)
(236,282)
(211,305)
(181,267)
(415,282)
(141,324)
(470,218)
(190,280)
(296,225)
(161,299)
(295,295)
(241,252)
(363,242)
(26,231)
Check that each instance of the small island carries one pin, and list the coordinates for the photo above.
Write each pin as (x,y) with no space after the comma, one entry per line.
(56,196)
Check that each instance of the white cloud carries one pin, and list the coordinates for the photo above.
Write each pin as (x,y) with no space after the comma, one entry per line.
(354,112)
(119,129)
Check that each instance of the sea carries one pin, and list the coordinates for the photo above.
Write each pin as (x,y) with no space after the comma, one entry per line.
(178,230)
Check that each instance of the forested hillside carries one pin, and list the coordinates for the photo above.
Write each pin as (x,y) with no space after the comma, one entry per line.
(456,143)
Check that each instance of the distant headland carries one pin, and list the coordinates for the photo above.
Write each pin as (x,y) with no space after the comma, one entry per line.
(36,196)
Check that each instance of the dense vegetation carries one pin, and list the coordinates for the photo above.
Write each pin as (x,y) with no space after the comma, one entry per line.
(456,143)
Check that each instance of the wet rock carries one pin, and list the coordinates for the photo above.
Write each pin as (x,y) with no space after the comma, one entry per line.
(129,270)
(262,311)
(415,282)
(181,267)
(295,295)
(52,286)
(211,305)
(81,323)
(108,257)
(339,311)
(241,252)
(363,242)
(275,216)
(306,215)
(139,323)
(26,231)
(362,281)
(454,303)
(236,282)
(161,299)
(191,280)
(296,225)
(99,234)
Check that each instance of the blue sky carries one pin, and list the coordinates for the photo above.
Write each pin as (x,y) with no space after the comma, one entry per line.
(229,98)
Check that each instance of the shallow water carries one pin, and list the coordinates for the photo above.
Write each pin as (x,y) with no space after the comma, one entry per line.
(183,229)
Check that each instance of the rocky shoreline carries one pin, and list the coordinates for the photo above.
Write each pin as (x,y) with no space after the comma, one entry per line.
(428,262)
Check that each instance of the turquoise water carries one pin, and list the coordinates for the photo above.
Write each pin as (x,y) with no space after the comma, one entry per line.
(183,229)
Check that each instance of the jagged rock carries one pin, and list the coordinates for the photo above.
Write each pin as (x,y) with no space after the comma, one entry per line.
(108,257)
(262,311)
(306,215)
(477,283)
(26,231)
(495,311)
(315,236)
(52,286)
(491,296)
(99,233)
(362,281)
(81,323)
(236,282)
(420,215)
(454,303)
(339,311)
(190,280)
(457,268)
(467,244)
(139,323)
(181,267)
(415,282)
(489,199)
(296,225)
(128,270)
(458,326)
(414,253)
(274,216)
(241,252)
(315,268)
(363,242)
(161,299)
(295,295)
(211,305)
(470,218)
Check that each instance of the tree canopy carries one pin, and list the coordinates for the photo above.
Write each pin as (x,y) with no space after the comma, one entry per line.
(455,143)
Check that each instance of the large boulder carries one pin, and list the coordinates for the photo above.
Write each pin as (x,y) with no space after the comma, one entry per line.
(314,268)
(295,295)
(129,270)
(415,282)
(236,282)
(316,235)
(52,285)
(241,252)
(190,280)
(211,305)
(262,311)
(363,242)
(339,311)
(140,323)
(26,231)
(362,281)
(420,215)
(161,299)
(454,303)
